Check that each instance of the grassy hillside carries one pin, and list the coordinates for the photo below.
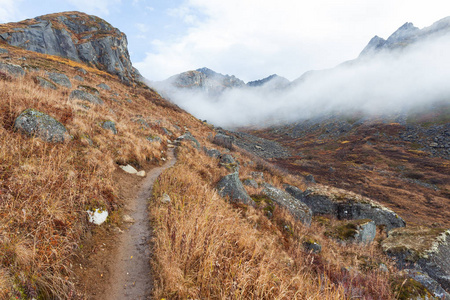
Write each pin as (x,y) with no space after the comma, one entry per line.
(204,246)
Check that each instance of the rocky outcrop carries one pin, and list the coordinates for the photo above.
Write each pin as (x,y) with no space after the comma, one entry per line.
(76,36)
(342,204)
(298,209)
(426,249)
(36,123)
(231,186)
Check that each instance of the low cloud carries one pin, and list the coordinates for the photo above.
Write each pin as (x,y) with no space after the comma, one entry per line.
(388,82)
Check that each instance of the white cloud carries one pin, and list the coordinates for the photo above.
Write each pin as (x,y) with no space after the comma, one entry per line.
(252,39)
(97,6)
(9,10)
(143,28)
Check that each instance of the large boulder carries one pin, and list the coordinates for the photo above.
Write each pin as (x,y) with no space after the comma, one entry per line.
(36,123)
(45,83)
(419,247)
(83,95)
(60,79)
(342,204)
(13,70)
(298,209)
(231,186)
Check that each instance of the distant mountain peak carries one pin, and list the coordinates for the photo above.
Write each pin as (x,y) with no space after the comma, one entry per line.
(406,35)
(274,80)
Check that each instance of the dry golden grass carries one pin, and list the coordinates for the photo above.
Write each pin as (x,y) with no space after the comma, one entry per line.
(205,248)
(45,188)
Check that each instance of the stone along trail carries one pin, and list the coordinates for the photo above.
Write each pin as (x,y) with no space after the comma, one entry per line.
(131,278)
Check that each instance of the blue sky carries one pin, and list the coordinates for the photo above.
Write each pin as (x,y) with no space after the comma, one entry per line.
(247,38)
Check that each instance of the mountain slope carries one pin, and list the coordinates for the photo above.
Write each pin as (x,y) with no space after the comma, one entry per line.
(67,127)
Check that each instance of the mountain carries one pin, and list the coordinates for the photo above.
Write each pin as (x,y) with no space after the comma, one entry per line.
(75,36)
(204,80)
(406,35)
(273,82)
(208,215)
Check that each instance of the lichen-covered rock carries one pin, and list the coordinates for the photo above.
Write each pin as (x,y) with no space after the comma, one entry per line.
(45,83)
(109,125)
(426,248)
(13,70)
(60,79)
(3,51)
(75,36)
(227,161)
(298,209)
(231,186)
(431,285)
(224,141)
(36,123)
(78,78)
(83,95)
(355,231)
(324,200)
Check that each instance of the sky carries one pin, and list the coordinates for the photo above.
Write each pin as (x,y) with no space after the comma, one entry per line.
(250,39)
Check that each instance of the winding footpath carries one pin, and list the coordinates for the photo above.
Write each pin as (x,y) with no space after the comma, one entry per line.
(131,275)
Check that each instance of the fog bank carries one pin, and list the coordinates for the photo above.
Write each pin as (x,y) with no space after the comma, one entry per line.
(382,83)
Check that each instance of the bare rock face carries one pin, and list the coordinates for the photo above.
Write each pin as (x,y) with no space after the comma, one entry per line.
(231,186)
(76,36)
(36,123)
(324,200)
(426,249)
(298,209)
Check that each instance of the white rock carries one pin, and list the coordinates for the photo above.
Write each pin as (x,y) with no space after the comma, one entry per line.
(98,216)
(165,198)
(141,173)
(128,219)
(129,169)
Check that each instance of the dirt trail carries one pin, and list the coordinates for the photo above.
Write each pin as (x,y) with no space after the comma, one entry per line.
(130,274)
